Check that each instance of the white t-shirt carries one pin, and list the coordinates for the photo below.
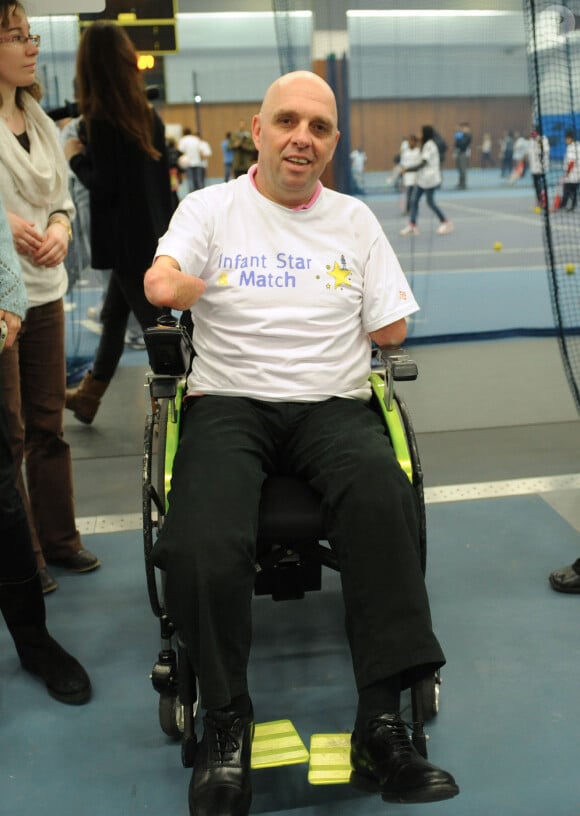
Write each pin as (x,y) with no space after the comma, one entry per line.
(291,294)
(190,146)
(429,176)
(539,155)
(572,155)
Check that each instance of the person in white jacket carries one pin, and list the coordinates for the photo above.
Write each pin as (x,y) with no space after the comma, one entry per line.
(428,181)
(410,157)
(34,185)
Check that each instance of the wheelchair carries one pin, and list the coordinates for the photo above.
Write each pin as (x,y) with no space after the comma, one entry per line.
(291,546)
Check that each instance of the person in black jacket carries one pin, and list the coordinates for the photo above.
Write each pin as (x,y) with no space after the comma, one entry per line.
(121,157)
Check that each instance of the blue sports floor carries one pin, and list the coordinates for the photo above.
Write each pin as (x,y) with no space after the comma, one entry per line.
(507,725)
(499,438)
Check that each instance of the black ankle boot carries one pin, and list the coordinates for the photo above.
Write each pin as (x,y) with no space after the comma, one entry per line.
(22,605)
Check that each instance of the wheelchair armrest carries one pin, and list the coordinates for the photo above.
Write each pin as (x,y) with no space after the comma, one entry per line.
(169,349)
(399,365)
(162,386)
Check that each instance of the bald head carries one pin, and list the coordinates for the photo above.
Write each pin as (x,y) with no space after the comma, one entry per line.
(295,134)
(303,82)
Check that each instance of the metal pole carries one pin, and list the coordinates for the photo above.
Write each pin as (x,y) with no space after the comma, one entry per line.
(196,101)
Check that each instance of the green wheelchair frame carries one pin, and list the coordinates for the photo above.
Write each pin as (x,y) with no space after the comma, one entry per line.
(284,571)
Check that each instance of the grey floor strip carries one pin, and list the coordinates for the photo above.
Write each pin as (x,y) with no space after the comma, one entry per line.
(433,495)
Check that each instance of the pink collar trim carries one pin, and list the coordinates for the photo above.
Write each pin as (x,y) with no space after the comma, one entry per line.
(252,173)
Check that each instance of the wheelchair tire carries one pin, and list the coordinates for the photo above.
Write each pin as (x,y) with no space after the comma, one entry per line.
(429,691)
(171,715)
(163,419)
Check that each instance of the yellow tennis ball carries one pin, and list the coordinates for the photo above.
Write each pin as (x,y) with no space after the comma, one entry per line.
(569,269)
(537,210)
(498,246)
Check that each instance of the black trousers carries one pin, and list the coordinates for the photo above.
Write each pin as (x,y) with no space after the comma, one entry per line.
(570,194)
(207,544)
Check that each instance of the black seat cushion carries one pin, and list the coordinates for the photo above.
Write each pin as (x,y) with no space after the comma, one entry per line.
(289,512)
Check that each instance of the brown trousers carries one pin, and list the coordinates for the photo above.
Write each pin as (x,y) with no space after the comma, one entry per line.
(33,372)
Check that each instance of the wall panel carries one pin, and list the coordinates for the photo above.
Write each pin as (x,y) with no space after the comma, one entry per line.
(379,125)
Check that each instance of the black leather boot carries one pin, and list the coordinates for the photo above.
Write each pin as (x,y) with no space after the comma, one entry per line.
(220,783)
(385,761)
(22,605)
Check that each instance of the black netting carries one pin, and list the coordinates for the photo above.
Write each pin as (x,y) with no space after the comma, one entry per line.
(514,74)
(554,66)
(290,27)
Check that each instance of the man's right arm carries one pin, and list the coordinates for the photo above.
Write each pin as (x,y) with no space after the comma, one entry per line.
(167,286)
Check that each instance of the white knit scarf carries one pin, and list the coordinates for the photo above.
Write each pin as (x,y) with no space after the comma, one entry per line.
(42,174)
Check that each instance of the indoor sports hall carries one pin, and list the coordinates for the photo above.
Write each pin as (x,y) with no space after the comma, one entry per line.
(495,409)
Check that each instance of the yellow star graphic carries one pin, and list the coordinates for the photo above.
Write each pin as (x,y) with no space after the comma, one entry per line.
(223,279)
(340,275)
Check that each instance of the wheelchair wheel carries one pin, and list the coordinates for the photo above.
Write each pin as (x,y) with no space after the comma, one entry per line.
(171,715)
(429,691)
(153,504)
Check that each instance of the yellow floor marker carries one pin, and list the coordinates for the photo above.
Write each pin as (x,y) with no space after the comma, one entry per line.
(329,759)
(277,743)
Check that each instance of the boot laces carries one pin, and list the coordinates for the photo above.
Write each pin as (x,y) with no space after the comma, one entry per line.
(395,731)
(223,743)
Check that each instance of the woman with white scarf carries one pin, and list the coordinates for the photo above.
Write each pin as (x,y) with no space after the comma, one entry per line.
(34,189)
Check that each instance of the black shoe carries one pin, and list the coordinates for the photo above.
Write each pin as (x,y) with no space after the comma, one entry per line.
(220,784)
(384,760)
(47,582)
(81,561)
(566,579)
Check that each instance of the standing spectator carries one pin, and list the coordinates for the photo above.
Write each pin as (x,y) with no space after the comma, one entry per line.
(538,159)
(21,601)
(506,154)
(123,162)
(410,157)
(245,152)
(571,173)
(79,254)
(175,172)
(34,185)
(486,151)
(462,153)
(358,160)
(520,157)
(190,146)
(228,155)
(428,180)
(205,153)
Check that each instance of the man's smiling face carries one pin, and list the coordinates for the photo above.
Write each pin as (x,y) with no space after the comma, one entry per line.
(296,136)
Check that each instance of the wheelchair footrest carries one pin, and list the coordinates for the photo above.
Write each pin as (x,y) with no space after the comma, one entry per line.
(277,743)
(329,759)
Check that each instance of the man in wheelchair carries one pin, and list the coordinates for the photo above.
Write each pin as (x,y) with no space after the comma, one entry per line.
(288,282)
